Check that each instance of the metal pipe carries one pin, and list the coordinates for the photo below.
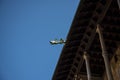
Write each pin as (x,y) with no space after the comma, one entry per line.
(118,1)
(104,54)
(86,57)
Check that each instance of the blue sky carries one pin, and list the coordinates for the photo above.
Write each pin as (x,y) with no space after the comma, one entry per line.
(26,27)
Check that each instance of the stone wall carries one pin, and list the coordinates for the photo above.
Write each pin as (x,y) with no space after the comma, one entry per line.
(115,66)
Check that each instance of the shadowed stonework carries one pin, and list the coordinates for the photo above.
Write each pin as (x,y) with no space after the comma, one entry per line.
(102,61)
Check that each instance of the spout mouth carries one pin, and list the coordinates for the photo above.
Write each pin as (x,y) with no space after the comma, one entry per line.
(61,41)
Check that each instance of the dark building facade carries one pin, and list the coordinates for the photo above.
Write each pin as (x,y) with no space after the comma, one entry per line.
(92,48)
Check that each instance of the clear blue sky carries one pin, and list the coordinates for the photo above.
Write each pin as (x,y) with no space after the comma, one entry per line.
(26,27)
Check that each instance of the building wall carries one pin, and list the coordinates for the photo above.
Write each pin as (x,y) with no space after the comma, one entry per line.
(115,66)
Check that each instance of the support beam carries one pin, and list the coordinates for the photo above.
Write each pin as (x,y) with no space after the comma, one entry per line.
(86,57)
(104,54)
